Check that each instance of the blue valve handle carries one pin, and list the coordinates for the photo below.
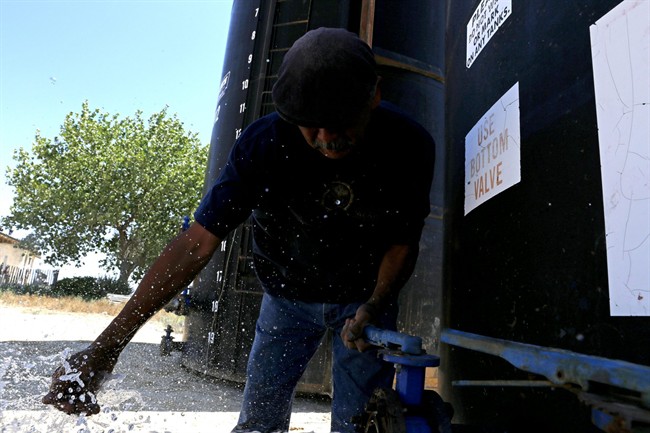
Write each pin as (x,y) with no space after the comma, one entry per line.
(408,344)
(405,352)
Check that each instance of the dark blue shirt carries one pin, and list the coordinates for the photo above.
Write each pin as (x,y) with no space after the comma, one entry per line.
(321,226)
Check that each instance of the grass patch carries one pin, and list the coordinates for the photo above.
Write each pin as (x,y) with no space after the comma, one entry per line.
(44,304)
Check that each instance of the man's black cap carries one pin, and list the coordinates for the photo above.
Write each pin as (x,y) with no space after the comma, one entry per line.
(326,79)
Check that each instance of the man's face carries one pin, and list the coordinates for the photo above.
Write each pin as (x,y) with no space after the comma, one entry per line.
(333,144)
(339,143)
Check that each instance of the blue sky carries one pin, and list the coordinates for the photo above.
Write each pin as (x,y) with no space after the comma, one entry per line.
(120,56)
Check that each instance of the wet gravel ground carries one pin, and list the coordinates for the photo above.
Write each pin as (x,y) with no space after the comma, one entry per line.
(149,394)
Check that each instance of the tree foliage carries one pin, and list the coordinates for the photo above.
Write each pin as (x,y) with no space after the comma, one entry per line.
(120,186)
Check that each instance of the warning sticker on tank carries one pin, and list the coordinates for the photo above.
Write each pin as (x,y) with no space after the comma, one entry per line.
(485,21)
(620,41)
(492,151)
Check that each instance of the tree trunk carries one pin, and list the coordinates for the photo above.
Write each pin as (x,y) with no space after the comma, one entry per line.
(125,271)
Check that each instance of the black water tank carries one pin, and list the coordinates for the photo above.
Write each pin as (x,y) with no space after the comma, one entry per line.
(529,264)
(226,296)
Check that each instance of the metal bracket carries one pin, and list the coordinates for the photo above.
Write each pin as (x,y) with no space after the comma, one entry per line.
(570,370)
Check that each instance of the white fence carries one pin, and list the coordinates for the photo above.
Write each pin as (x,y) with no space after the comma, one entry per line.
(27,277)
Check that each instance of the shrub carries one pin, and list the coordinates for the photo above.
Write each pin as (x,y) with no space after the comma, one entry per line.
(112,285)
(86,288)
(24,289)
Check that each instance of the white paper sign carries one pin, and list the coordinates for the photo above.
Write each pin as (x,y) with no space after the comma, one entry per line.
(620,51)
(492,151)
(485,21)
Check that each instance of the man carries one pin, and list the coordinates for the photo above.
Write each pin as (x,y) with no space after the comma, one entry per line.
(338,188)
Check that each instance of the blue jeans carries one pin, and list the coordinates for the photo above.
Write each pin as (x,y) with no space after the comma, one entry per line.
(287,335)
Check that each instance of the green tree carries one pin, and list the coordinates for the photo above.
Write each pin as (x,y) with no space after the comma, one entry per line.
(120,186)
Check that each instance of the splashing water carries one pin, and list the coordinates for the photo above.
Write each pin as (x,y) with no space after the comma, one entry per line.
(156,395)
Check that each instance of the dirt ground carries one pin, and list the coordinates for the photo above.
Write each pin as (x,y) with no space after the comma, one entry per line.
(149,394)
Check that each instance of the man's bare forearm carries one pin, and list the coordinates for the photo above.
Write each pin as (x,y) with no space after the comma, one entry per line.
(175,268)
(395,270)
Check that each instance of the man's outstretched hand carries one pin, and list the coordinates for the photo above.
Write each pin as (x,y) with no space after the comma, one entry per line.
(75,384)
